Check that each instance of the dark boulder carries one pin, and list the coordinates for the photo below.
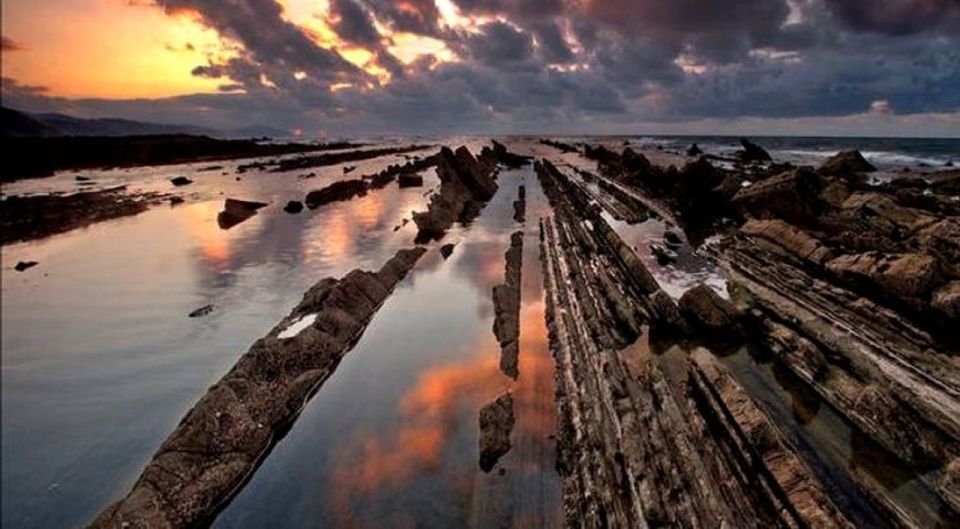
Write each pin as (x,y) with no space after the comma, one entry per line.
(752,152)
(180,181)
(293,207)
(710,313)
(792,196)
(694,150)
(846,163)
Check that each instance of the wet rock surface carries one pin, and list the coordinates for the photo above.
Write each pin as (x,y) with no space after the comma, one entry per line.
(466,183)
(341,190)
(236,211)
(632,425)
(216,446)
(506,305)
(496,424)
(24,218)
(849,287)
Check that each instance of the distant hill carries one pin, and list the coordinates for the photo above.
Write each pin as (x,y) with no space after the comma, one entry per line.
(14,123)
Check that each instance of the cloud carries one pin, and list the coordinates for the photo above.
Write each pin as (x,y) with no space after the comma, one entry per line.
(881,106)
(353,23)
(532,65)
(898,17)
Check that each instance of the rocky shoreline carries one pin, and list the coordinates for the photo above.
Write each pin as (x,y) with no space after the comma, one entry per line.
(846,286)
(850,286)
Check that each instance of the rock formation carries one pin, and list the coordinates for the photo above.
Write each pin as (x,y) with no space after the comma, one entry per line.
(506,304)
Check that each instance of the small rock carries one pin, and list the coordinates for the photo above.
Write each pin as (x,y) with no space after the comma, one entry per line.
(663,255)
(176,200)
(293,207)
(236,211)
(446,250)
(82,178)
(180,181)
(202,311)
(348,168)
(23,265)
(694,150)
(496,424)
(672,238)
(410,180)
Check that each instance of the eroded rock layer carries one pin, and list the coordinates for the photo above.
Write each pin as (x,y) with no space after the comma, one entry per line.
(506,305)
(647,440)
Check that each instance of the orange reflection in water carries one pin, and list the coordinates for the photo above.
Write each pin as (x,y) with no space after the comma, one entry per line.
(433,409)
(201,224)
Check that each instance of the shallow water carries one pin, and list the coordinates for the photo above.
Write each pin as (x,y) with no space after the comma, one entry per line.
(391,438)
(100,360)
(834,449)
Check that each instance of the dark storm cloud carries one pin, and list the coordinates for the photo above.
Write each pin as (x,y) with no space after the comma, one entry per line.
(516,9)
(548,64)
(552,45)
(898,17)
(500,45)
(720,30)
(267,37)
(354,23)
(412,16)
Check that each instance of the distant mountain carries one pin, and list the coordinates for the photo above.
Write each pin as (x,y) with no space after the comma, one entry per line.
(14,123)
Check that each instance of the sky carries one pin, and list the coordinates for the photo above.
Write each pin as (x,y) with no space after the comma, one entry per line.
(351,67)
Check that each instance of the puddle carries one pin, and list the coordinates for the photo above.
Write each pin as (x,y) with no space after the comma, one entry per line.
(685,272)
